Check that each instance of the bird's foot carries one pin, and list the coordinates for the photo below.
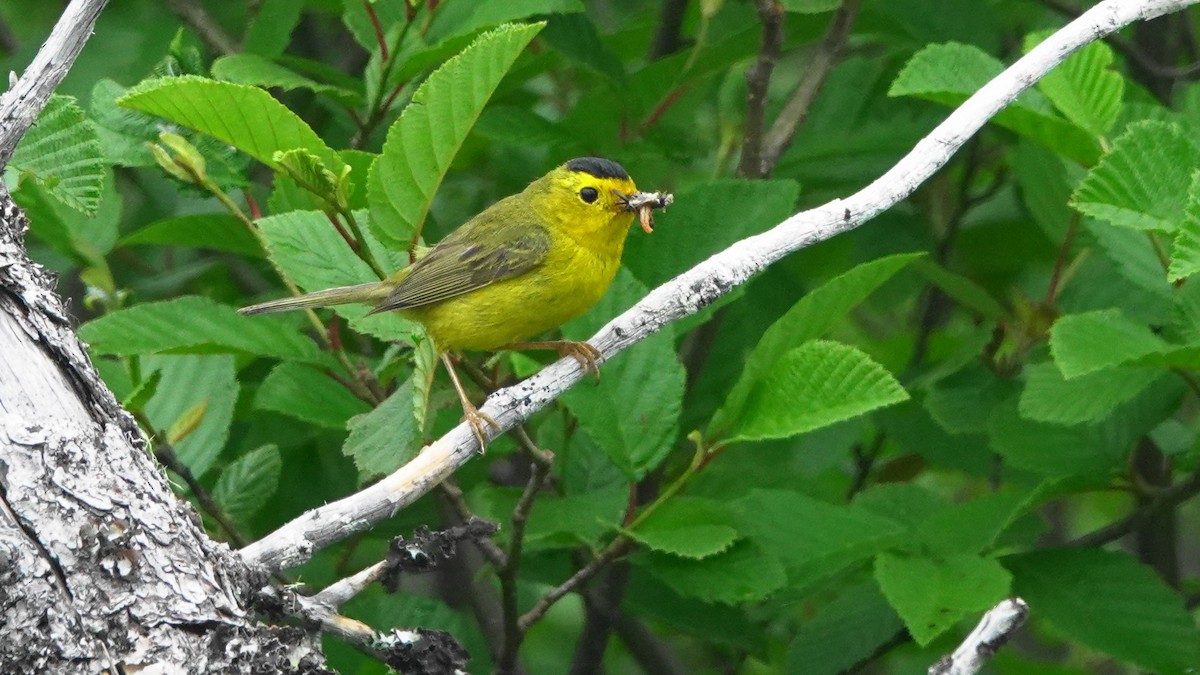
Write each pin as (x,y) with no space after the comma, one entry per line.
(586,355)
(479,421)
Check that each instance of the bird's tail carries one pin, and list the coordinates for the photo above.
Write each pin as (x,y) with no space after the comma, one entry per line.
(372,293)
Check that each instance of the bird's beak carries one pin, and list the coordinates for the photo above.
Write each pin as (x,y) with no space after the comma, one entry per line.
(644,203)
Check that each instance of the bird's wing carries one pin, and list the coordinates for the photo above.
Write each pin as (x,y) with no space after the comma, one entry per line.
(458,265)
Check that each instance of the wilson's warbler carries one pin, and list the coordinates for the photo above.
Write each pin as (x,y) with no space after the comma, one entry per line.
(525,265)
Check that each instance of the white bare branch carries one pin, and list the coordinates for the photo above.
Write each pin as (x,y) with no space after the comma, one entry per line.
(693,290)
(20,106)
(995,629)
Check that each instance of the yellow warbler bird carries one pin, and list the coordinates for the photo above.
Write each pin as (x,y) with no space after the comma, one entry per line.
(526,264)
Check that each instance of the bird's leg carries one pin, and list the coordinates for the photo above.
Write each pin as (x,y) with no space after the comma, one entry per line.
(586,355)
(471,414)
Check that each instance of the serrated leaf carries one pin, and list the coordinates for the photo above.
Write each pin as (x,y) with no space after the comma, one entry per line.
(1044,188)
(933,594)
(1131,255)
(62,153)
(744,573)
(1084,88)
(246,484)
(687,526)
(307,248)
(422,143)
(187,381)
(574,520)
(194,324)
(1048,397)
(142,393)
(384,439)
(1143,181)
(809,318)
(332,190)
(1110,602)
(272,26)
(1185,254)
(632,413)
(306,393)
(815,385)
(248,118)
(843,633)
(949,73)
(257,71)
(217,231)
(1092,341)
(814,539)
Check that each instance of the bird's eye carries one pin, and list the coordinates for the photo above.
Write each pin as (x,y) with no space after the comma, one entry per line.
(589,194)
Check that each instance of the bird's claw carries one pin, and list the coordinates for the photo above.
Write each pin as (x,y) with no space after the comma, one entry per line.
(478,421)
(586,355)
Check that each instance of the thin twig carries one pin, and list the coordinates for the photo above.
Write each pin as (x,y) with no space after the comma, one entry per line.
(341,591)
(1165,499)
(458,501)
(666,39)
(193,14)
(816,70)
(758,81)
(513,633)
(619,547)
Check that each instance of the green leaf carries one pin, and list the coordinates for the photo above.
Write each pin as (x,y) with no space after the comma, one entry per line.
(933,594)
(1084,88)
(308,394)
(187,383)
(632,413)
(254,70)
(973,526)
(810,6)
(332,190)
(1090,451)
(62,153)
(467,17)
(1044,188)
(809,318)
(247,118)
(1110,602)
(815,385)
(384,439)
(744,573)
(843,633)
(1088,398)
(1143,181)
(963,402)
(707,218)
(1092,341)
(949,73)
(70,232)
(1185,255)
(216,231)
(814,539)
(421,144)
(963,290)
(1132,257)
(271,29)
(573,520)
(307,248)
(194,324)
(246,484)
(687,526)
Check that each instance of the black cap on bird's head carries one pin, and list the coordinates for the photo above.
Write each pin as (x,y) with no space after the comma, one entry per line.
(598,167)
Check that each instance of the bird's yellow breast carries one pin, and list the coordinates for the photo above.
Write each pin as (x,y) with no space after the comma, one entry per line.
(569,281)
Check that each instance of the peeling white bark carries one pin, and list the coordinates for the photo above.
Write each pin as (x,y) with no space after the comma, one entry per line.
(695,289)
(100,564)
(994,630)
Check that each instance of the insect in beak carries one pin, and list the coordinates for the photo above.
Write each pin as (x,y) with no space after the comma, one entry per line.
(644,204)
